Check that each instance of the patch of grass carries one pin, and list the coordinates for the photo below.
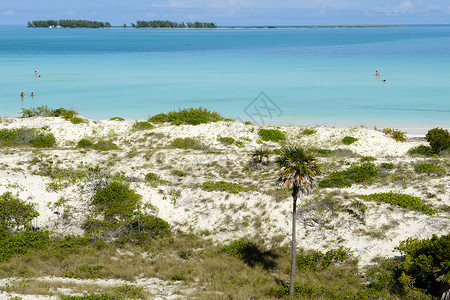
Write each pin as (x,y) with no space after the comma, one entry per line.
(272,135)
(155,179)
(402,200)
(367,159)
(358,174)
(430,168)
(348,140)
(189,116)
(188,143)
(143,126)
(43,141)
(229,187)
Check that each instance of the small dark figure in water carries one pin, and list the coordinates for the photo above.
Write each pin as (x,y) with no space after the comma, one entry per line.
(32,94)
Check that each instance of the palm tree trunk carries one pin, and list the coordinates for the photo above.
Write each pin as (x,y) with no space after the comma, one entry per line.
(294,245)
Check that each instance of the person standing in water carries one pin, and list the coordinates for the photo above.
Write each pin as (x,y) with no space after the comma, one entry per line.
(377,73)
(22,94)
(37,74)
(32,94)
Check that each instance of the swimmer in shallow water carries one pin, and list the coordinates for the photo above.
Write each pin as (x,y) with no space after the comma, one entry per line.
(22,94)
(32,94)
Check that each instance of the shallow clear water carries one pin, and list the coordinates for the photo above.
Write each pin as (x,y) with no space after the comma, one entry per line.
(312,76)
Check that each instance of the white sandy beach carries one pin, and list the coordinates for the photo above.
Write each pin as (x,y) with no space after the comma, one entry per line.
(220,215)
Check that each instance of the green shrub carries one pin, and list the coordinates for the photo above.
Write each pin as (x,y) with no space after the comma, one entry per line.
(44,111)
(85,143)
(364,173)
(147,227)
(190,116)
(424,261)
(155,179)
(20,243)
(422,150)
(226,140)
(368,159)
(105,146)
(188,143)
(272,135)
(430,168)
(43,141)
(308,131)
(223,186)
(76,120)
(387,165)
(439,139)
(317,260)
(116,200)
(93,297)
(396,134)
(348,140)
(117,119)
(143,126)
(14,213)
(402,200)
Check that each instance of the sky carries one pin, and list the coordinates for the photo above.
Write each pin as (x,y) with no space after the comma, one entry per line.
(231,12)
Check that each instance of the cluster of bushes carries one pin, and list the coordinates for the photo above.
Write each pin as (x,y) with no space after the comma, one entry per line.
(396,134)
(102,145)
(225,140)
(26,137)
(118,207)
(272,135)
(402,200)
(189,116)
(44,111)
(68,23)
(358,174)
(170,24)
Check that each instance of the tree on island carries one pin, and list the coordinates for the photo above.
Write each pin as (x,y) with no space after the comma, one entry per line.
(298,171)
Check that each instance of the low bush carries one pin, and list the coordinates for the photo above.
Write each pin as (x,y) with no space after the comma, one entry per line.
(358,174)
(368,159)
(85,143)
(116,200)
(439,139)
(308,131)
(143,228)
(117,119)
(44,111)
(155,179)
(104,145)
(430,168)
(143,126)
(43,141)
(387,165)
(188,143)
(422,150)
(348,140)
(402,200)
(396,134)
(94,297)
(272,135)
(15,214)
(20,243)
(317,260)
(190,116)
(76,120)
(226,140)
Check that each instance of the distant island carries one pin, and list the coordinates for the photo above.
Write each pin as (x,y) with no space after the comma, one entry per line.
(170,24)
(67,24)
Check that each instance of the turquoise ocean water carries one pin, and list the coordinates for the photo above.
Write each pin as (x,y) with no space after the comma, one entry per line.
(312,76)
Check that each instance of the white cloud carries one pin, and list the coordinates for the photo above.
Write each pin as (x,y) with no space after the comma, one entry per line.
(8,12)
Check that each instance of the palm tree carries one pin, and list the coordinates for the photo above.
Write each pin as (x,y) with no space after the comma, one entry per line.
(298,170)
